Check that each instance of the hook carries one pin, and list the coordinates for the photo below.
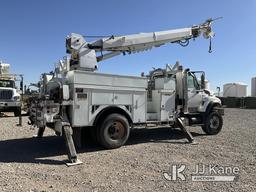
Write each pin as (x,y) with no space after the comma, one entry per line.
(210,46)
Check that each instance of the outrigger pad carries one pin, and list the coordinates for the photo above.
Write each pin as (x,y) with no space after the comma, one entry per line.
(77,162)
(193,143)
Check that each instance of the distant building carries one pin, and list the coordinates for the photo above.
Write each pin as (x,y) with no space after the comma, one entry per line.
(253,87)
(234,90)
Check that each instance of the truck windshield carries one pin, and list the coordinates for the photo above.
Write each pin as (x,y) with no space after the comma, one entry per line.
(7,83)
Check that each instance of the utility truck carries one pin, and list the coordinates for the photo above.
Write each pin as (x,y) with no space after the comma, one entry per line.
(76,97)
(9,94)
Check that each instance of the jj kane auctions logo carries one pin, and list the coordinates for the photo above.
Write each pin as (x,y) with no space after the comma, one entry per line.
(202,172)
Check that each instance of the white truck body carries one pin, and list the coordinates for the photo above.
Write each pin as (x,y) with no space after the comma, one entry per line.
(77,97)
(91,92)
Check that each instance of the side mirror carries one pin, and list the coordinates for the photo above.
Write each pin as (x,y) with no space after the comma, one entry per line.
(203,81)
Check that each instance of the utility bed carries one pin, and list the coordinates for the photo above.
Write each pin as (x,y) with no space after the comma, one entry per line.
(94,91)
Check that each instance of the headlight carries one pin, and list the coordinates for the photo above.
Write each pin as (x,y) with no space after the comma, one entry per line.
(16,98)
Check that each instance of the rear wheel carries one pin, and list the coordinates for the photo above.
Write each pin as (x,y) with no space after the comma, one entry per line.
(213,123)
(114,131)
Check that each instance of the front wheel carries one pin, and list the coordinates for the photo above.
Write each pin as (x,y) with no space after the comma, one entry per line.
(114,131)
(213,124)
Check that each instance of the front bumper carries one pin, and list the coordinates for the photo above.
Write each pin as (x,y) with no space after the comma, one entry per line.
(220,110)
(6,105)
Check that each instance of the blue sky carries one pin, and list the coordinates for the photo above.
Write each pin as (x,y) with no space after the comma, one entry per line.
(32,34)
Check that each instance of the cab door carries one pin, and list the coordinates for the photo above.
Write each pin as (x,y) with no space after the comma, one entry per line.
(194,93)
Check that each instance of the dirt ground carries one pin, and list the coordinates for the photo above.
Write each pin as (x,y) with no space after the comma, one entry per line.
(31,164)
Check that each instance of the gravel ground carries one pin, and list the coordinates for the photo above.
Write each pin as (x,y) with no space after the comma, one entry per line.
(30,164)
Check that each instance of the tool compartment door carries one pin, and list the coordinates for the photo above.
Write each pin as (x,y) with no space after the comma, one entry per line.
(122,98)
(102,97)
(139,107)
(167,106)
(80,108)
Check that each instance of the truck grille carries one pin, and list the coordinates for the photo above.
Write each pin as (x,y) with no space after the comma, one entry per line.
(5,94)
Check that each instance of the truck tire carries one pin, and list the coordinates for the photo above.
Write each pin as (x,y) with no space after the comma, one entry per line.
(213,123)
(17,112)
(114,131)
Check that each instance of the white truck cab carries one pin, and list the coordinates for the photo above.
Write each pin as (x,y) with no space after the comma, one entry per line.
(9,95)
(199,97)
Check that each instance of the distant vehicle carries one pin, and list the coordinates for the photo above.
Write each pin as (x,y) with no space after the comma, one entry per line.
(9,95)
